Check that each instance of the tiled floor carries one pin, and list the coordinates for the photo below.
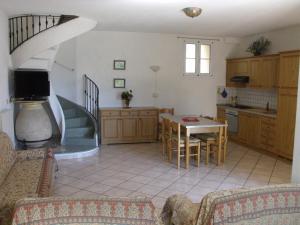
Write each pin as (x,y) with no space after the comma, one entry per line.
(139,170)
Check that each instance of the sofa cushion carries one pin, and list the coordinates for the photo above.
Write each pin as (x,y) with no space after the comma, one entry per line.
(7,156)
(85,211)
(22,181)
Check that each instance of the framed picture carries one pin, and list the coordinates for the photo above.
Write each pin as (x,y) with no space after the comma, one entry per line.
(119,64)
(119,83)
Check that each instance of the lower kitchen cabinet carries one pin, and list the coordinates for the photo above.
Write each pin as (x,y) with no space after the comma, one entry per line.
(268,134)
(249,128)
(134,125)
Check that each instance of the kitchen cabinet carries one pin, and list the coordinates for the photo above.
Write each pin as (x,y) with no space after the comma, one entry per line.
(221,113)
(133,125)
(235,68)
(268,134)
(249,128)
(286,119)
(289,69)
(262,71)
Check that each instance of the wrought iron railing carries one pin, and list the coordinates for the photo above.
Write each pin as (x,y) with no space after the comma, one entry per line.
(22,28)
(91,97)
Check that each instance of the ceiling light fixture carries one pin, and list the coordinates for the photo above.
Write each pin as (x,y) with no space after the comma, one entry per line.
(192,11)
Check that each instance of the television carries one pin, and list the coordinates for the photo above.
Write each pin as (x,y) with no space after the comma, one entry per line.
(31,84)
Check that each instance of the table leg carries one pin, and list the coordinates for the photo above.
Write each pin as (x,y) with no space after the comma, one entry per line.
(187,149)
(220,145)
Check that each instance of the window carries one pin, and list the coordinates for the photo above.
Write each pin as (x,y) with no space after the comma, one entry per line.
(197,59)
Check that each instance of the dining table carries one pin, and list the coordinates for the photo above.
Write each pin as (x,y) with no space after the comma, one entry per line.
(197,125)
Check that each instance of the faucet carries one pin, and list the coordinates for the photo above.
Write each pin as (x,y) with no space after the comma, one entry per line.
(268,106)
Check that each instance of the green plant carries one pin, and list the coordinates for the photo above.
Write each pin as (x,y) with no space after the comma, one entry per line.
(259,46)
(127,95)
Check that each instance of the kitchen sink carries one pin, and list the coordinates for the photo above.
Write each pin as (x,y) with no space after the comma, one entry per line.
(264,111)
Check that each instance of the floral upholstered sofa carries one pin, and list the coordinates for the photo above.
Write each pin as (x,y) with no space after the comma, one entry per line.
(268,205)
(85,211)
(22,174)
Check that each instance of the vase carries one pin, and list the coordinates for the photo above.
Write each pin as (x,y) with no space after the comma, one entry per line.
(126,102)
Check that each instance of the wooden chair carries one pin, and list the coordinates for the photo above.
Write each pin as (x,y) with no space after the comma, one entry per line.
(211,143)
(160,123)
(165,135)
(178,141)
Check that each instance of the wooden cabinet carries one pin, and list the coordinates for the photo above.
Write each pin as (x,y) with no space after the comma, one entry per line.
(262,71)
(120,125)
(249,128)
(289,69)
(268,134)
(270,71)
(221,113)
(286,119)
(235,68)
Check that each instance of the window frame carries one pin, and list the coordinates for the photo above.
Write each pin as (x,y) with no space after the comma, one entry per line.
(198,57)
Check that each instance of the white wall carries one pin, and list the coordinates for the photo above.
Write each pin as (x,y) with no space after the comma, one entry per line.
(282,40)
(6,108)
(63,74)
(96,51)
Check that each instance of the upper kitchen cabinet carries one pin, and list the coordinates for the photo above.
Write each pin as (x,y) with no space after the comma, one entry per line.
(289,69)
(262,71)
(236,67)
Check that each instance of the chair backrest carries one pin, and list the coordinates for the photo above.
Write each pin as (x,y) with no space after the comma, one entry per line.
(166,127)
(166,110)
(225,128)
(175,130)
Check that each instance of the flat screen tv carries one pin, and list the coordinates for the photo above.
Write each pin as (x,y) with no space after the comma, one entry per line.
(31,84)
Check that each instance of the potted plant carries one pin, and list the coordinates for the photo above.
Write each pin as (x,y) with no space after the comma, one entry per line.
(126,97)
(259,46)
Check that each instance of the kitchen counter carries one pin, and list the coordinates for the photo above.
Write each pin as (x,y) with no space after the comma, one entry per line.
(259,111)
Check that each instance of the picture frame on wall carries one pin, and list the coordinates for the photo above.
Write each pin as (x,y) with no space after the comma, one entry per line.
(119,64)
(119,83)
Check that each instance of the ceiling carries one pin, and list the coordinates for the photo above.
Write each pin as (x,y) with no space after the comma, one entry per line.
(224,18)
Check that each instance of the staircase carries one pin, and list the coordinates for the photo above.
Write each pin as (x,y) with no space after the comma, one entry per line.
(34,41)
(80,129)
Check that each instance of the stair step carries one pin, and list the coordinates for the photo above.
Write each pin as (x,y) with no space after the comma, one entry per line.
(76,122)
(74,149)
(70,113)
(80,141)
(80,132)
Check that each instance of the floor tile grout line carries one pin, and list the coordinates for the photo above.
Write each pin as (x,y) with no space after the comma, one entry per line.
(252,170)
(272,171)
(232,169)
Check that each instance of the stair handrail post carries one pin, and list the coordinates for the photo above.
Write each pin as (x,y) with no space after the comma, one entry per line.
(91,98)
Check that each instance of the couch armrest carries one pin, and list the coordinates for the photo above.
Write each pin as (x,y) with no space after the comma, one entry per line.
(40,153)
(71,210)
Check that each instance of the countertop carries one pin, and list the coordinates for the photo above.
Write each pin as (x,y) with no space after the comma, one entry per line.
(259,111)
(130,108)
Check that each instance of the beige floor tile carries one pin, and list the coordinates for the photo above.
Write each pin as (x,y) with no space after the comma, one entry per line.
(141,179)
(81,184)
(65,190)
(117,192)
(98,188)
(65,179)
(130,185)
(150,190)
(87,194)
(113,181)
